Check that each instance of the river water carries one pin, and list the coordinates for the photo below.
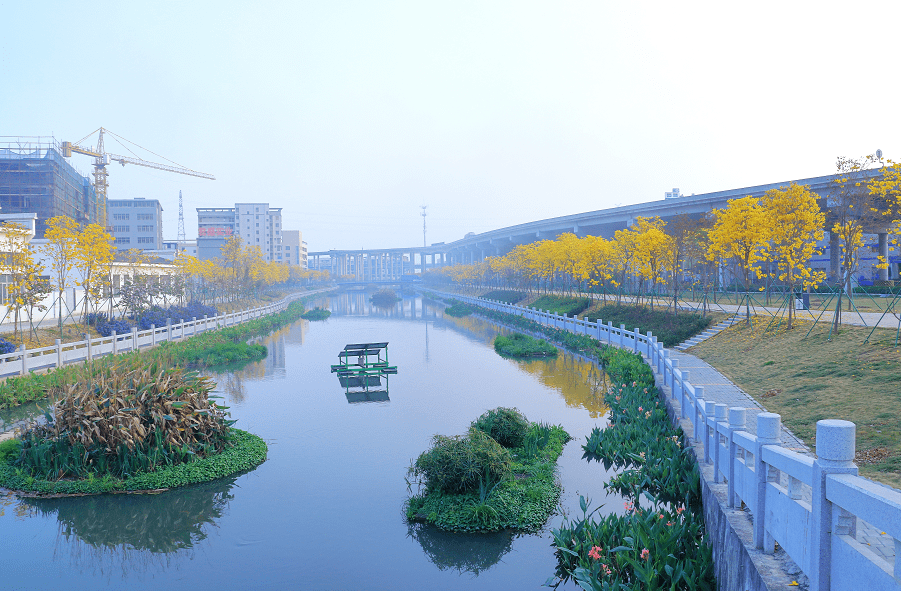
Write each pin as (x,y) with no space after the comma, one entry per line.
(325,511)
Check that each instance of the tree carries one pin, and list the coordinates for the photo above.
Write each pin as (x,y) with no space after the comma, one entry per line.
(796,222)
(653,252)
(25,282)
(856,209)
(686,233)
(95,253)
(61,249)
(740,233)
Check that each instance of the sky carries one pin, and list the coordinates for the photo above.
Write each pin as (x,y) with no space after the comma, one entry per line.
(352,115)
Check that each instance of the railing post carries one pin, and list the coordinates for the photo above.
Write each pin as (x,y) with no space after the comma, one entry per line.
(769,427)
(24,370)
(683,394)
(88,341)
(674,365)
(169,329)
(115,343)
(610,331)
(59,353)
(194,325)
(736,423)
(835,455)
(153,335)
(721,415)
(651,349)
(698,414)
(709,412)
(135,346)
(635,339)
(662,354)
(622,336)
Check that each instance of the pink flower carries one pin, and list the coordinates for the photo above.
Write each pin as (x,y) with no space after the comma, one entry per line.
(640,409)
(628,506)
(669,522)
(645,554)
(607,570)
(634,383)
(595,552)
(660,516)
(680,510)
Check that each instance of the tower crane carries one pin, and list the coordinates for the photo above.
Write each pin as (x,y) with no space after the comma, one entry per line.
(102,159)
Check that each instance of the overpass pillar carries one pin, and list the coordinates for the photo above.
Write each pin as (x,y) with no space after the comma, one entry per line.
(883,253)
(834,251)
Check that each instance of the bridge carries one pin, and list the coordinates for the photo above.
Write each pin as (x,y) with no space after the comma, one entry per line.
(392,263)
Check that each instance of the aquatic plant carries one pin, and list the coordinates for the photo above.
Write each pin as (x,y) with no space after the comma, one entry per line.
(507,426)
(384,297)
(520,345)
(316,313)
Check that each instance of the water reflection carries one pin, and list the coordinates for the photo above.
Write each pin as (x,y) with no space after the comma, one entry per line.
(356,303)
(159,524)
(462,552)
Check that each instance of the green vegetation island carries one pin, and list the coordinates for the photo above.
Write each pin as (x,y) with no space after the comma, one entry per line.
(523,346)
(499,475)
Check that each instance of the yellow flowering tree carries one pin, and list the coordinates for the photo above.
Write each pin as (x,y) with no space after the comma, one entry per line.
(95,253)
(61,250)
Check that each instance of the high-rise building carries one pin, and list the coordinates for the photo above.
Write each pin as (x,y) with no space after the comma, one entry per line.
(293,249)
(256,223)
(35,178)
(136,223)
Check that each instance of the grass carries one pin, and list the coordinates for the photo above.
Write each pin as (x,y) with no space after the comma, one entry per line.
(813,378)
(505,296)
(458,309)
(316,314)
(670,329)
(520,345)
(561,304)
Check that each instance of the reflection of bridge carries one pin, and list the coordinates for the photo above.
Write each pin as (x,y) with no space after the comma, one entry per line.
(392,263)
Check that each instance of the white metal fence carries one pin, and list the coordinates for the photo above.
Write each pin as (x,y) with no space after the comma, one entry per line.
(809,506)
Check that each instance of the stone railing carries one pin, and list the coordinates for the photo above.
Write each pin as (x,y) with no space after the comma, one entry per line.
(23,361)
(809,506)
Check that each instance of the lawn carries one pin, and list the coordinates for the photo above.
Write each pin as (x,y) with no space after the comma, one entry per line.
(808,378)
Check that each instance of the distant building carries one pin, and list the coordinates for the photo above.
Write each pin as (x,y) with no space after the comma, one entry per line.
(136,223)
(256,223)
(674,194)
(35,178)
(293,249)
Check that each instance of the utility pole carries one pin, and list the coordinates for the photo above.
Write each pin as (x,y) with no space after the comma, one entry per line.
(423,214)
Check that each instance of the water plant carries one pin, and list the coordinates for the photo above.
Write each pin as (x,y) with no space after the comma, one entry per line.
(507,426)
(458,309)
(521,345)
(316,313)
(384,297)
(518,493)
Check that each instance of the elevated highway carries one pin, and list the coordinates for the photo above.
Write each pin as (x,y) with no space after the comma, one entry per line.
(391,263)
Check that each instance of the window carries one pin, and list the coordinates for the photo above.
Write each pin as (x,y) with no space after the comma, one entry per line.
(144,216)
(145,228)
(125,240)
(120,217)
(145,239)
(121,228)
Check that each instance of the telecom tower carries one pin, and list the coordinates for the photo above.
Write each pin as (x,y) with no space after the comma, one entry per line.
(423,214)
(181,223)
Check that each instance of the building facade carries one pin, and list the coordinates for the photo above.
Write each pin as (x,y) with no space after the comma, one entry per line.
(35,178)
(257,224)
(136,223)
(293,249)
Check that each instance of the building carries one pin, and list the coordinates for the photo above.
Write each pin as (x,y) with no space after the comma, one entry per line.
(293,249)
(260,225)
(136,223)
(215,225)
(257,224)
(35,178)
(170,247)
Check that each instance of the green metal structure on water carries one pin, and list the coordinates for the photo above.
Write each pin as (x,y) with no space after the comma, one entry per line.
(362,365)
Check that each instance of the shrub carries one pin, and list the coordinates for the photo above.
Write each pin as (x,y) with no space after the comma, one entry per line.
(507,426)
(124,418)
(461,463)
(316,314)
(458,309)
(6,346)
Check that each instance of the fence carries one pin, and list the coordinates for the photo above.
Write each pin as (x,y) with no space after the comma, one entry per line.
(809,506)
(25,360)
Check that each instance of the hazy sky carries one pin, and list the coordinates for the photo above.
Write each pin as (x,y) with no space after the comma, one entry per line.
(350,115)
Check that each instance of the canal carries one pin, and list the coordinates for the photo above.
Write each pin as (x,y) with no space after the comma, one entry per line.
(325,511)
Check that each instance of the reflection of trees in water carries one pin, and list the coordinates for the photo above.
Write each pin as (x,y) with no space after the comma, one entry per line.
(232,384)
(463,552)
(122,524)
(581,382)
